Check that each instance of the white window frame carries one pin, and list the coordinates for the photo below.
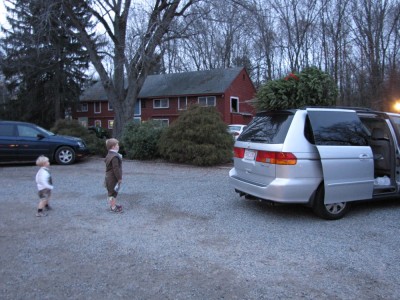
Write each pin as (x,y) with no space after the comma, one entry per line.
(94,107)
(162,122)
(110,124)
(137,120)
(160,103)
(207,100)
(83,121)
(110,107)
(179,103)
(235,99)
(97,123)
(83,107)
(139,104)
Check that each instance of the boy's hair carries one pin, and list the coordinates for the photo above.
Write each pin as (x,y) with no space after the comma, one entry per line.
(42,160)
(111,143)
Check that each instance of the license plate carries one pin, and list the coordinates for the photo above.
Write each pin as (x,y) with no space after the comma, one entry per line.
(249,154)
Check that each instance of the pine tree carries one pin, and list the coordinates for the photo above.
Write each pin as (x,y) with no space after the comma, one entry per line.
(44,64)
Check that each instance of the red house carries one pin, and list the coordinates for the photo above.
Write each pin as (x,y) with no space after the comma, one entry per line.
(163,97)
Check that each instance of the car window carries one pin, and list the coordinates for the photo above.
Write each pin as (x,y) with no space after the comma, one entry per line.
(376,123)
(396,120)
(27,131)
(337,128)
(270,127)
(6,130)
(237,128)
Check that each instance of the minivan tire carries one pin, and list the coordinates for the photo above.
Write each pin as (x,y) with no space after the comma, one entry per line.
(65,155)
(332,211)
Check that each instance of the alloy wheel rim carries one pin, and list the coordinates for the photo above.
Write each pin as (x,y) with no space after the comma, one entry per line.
(65,156)
(335,208)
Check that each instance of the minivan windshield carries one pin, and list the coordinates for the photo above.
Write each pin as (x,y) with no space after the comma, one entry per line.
(269,127)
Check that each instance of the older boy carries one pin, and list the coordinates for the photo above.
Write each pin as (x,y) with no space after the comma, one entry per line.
(113,162)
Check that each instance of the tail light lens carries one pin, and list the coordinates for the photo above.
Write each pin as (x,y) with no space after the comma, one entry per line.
(238,152)
(275,158)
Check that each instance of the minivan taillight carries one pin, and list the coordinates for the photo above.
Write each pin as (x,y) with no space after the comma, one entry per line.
(238,152)
(276,158)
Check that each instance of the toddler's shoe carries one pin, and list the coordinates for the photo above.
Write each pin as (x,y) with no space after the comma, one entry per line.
(116,209)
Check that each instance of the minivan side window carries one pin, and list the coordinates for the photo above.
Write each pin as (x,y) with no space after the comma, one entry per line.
(333,128)
(270,127)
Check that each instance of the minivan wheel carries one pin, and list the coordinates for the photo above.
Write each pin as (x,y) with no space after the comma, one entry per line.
(65,155)
(333,211)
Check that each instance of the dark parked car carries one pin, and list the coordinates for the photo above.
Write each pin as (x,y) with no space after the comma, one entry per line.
(24,142)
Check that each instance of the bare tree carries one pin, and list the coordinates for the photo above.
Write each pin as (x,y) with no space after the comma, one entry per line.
(297,22)
(129,72)
(376,22)
(335,34)
(219,38)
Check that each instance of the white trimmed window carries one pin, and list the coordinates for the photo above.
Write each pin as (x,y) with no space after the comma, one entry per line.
(97,123)
(162,122)
(161,103)
(82,107)
(207,101)
(234,105)
(97,107)
(110,107)
(83,121)
(110,124)
(182,103)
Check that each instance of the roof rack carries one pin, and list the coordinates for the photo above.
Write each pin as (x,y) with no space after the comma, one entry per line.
(357,108)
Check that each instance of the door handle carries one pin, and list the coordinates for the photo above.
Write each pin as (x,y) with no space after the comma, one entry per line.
(363,156)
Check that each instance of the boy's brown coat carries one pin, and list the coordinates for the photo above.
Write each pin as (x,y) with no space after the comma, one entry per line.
(113,170)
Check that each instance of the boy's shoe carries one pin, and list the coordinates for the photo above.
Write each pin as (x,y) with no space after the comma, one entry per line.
(116,209)
(41,214)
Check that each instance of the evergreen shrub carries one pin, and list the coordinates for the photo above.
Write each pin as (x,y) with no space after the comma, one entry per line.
(198,137)
(140,140)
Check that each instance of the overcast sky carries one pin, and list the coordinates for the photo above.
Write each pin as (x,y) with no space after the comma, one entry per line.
(2,13)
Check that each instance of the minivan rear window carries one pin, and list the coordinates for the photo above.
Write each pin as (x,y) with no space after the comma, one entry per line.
(269,127)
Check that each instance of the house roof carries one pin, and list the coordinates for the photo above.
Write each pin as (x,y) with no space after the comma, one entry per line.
(214,81)
(189,83)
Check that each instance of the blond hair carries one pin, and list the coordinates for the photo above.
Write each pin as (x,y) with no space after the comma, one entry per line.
(42,160)
(111,143)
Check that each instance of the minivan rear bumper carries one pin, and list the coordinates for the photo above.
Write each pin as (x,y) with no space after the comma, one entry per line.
(282,190)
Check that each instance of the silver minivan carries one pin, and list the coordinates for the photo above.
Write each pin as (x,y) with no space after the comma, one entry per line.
(321,157)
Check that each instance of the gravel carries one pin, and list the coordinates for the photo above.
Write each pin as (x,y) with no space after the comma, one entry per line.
(185,234)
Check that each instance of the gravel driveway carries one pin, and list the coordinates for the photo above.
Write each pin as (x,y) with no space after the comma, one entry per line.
(185,234)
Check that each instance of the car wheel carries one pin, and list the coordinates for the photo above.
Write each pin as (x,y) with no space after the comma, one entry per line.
(333,211)
(65,155)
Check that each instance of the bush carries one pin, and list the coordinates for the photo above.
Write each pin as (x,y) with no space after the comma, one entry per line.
(198,137)
(311,87)
(140,140)
(74,128)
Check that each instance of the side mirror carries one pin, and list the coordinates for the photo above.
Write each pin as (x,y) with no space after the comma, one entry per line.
(40,136)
